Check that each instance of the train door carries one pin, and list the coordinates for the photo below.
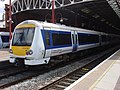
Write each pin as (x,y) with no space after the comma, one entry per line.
(0,42)
(74,40)
(47,39)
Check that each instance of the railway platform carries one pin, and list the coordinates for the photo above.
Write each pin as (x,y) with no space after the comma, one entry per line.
(105,76)
(4,54)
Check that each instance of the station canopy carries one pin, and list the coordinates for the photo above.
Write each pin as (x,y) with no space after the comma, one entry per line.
(100,15)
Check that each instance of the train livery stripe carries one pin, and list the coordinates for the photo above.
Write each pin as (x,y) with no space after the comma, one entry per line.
(20,50)
(51,46)
(25,25)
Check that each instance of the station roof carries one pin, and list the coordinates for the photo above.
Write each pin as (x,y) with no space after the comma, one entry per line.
(99,10)
(101,13)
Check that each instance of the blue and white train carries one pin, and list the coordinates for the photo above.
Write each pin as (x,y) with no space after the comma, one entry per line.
(4,40)
(37,42)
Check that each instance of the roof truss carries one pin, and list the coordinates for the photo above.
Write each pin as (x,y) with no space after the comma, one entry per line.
(23,5)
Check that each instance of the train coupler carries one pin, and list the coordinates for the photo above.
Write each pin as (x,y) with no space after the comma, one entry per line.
(19,62)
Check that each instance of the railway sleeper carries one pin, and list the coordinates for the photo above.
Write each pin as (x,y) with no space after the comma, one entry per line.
(61,86)
(74,78)
(69,80)
(65,83)
(78,75)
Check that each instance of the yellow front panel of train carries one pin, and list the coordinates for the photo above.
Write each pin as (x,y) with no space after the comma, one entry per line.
(20,50)
(26,26)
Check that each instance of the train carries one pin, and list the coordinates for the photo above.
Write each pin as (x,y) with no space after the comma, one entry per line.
(36,43)
(4,40)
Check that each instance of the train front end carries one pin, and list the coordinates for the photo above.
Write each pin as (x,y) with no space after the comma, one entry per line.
(26,44)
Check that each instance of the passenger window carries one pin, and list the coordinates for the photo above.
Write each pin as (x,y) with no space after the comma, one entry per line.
(61,38)
(76,38)
(47,38)
(73,39)
(87,38)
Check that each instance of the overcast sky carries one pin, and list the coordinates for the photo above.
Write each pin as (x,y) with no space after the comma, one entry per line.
(2,5)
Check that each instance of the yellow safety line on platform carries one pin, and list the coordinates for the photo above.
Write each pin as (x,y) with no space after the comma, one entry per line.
(100,78)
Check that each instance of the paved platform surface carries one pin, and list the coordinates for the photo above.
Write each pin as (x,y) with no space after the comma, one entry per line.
(106,76)
(4,54)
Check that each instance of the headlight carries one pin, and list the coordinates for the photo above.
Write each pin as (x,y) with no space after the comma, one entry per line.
(30,52)
(11,51)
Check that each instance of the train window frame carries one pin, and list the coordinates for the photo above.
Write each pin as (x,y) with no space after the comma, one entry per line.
(46,40)
(86,38)
(20,32)
(59,36)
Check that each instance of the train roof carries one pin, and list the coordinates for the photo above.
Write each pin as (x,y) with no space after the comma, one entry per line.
(60,26)
(57,26)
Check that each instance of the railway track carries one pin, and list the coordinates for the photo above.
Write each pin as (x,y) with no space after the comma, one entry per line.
(16,75)
(70,78)
(8,74)
(11,71)
(13,75)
